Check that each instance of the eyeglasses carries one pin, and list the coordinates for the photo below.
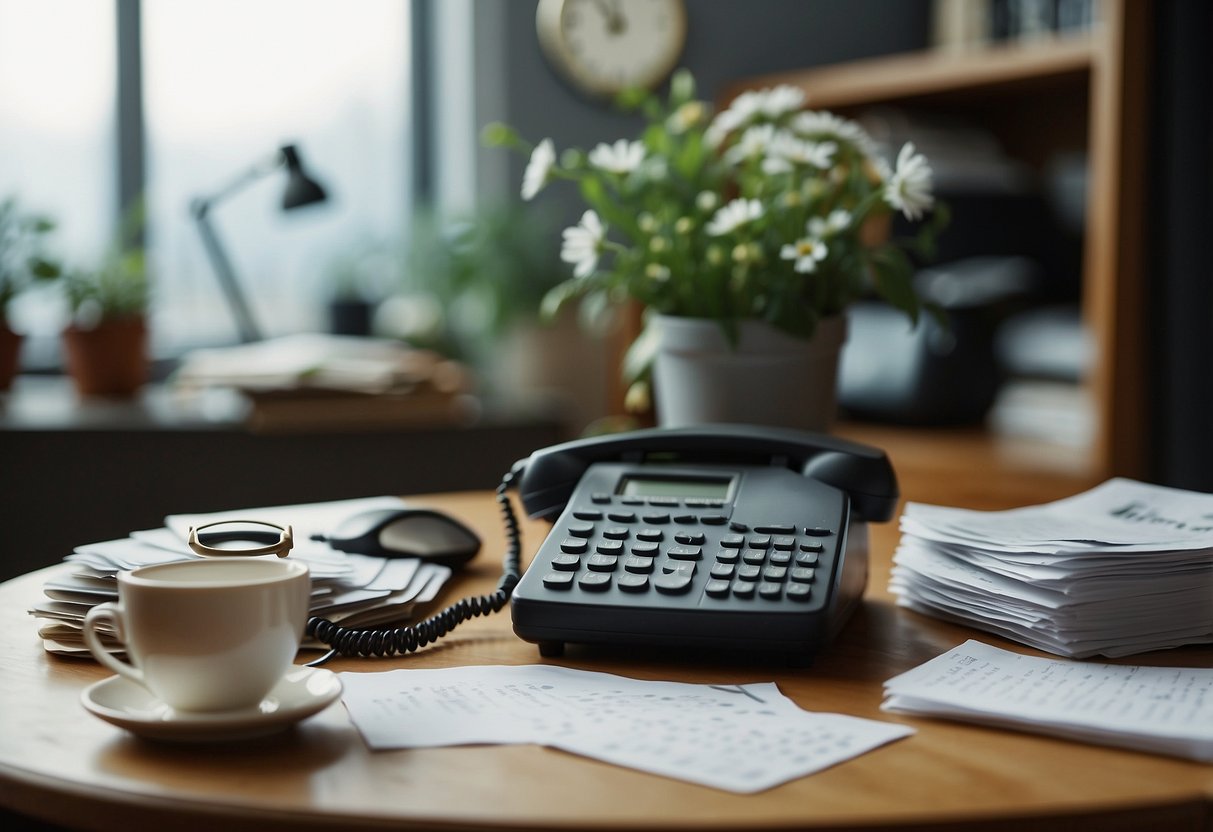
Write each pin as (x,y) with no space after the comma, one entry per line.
(241,538)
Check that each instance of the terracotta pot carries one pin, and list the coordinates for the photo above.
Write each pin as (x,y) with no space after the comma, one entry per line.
(109,359)
(10,355)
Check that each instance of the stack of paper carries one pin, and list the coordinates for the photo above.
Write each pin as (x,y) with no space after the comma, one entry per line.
(1124,568)
(1165,710)
(356,590)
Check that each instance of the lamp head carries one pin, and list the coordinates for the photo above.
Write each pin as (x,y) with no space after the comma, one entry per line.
(301,189)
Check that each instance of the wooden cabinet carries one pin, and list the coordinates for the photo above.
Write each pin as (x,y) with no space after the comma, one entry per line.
(1085,92)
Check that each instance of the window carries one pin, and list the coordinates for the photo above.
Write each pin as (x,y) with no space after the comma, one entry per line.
(225,83)
(58,136)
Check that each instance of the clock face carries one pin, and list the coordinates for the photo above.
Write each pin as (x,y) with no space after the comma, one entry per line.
(604,46)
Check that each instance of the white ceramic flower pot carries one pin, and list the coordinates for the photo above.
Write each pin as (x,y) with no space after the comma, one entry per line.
(770,378)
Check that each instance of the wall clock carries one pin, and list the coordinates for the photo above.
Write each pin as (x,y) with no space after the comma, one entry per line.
(604,46)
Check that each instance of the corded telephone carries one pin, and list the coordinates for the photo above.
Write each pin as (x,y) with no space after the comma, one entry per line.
(730,536)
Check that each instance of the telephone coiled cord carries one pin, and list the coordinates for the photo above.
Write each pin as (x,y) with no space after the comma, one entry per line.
(345,641)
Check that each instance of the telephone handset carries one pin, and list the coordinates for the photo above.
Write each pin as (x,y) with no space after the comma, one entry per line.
(723,536)
(728,536)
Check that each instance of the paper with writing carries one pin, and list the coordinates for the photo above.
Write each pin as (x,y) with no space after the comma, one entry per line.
(742,738)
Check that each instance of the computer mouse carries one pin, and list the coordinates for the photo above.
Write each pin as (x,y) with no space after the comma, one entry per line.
(406,533)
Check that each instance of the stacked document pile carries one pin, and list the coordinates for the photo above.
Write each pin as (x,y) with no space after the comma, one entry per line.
(354,590)
(1124,568)
(1163,710)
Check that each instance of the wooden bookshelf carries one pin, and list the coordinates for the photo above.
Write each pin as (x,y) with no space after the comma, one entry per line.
(1084,92)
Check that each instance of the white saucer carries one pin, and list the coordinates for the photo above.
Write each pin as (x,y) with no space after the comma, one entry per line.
(302,692)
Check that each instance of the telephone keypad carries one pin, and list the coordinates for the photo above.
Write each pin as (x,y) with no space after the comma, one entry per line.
(771,562)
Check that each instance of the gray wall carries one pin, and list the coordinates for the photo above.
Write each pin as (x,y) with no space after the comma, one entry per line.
(726,40)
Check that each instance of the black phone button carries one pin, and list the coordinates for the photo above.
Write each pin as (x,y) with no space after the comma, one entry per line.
(687,569)
(635,563)
(760,542)
(769,590)
(743,589)
(717,589)
(647,548)
(809,546)
(610,547)
(574,545)
(594,581)
(713,519)
(781,558)
(732,541)
(723,570)
(558,580)
(799,592)
(617,533)
(726,556)
(802,574)
(690,538)
(685,552)
(602,563)
(632,501)
(757,556)
(686,519)
(668,502)
(784,542)
(581,529)
(656,518)
(775,573)
(748,572)
(633,583)
(650,534)
(566,563)
(600,498)
(674,584)
(622,517)
(775,529)
(818,531)
(588,515)
(739,527)
(807,559)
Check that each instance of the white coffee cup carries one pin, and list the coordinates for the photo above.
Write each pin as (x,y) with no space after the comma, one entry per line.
(206,635)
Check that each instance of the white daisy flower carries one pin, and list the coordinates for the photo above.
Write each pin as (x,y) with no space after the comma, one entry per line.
(909,188)
(780,100)
(787,150)
(753,142)
(734,215)
(741,111)
(583,244)
(543,157)
(622,157)
(838,220)
(806,252)
(819,124)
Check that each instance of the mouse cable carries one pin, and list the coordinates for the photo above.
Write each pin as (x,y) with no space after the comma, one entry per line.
(345,641)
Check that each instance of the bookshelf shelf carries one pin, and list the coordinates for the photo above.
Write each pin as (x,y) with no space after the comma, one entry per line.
(1087,93)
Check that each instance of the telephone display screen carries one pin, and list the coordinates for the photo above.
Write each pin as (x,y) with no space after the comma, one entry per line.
(713,489)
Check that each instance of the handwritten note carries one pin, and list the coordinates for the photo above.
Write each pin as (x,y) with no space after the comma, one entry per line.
(1167,710)
(741,738)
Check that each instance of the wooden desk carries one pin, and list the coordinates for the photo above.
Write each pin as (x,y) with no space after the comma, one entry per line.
(59,763)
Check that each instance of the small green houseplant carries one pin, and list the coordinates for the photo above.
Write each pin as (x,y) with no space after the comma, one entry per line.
(23,264)
(106,340)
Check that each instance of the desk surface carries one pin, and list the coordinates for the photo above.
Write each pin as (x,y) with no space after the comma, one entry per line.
(59,763)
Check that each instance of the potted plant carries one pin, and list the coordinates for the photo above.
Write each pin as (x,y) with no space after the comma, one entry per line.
(23,264)
(105,342)
(744,235)
(488,272)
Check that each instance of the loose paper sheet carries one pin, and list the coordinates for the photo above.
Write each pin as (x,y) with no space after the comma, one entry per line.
(741,738)
(1163,709)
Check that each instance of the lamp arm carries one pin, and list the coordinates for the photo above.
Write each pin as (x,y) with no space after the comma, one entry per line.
(249,331)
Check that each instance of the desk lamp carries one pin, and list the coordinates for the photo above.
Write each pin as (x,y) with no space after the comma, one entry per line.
(301,190)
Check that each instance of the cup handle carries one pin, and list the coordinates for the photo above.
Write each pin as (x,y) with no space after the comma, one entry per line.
(112,613)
